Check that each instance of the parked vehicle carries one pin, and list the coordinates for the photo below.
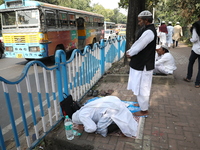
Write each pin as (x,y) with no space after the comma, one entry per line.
(122,32)
(1,48)
(35,30)
(109,34)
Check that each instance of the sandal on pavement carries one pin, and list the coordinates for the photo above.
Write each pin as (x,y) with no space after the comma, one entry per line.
(109,92)
(95,93)
(103,93)
(187,80)
(197,86)
(90,93)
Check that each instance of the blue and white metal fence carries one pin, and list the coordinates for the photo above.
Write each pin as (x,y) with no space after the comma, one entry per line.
(43,89)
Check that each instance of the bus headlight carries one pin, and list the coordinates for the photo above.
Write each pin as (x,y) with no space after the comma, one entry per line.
(10,49)
(34,49)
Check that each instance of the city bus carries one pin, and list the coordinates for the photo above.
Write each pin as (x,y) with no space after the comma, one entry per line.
(35,30)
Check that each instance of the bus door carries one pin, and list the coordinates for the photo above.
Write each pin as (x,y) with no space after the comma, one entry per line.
(81,32)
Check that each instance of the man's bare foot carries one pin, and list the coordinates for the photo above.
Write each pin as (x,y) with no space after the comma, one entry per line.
(137,105)
(141,113)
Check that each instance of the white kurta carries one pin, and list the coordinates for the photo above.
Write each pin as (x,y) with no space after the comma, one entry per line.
(163,37)
(170,30)
(165,64)
(97,115)
(140,81)
(196,42)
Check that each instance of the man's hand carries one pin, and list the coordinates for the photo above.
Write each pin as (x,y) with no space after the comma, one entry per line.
(127,55)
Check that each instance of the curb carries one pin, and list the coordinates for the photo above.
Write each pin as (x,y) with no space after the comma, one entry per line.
(157,79)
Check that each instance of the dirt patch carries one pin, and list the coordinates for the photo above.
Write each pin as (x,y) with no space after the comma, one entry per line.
(119,67)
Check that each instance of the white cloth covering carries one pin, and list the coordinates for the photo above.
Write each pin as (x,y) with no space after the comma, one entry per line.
(97,115)
(165,64)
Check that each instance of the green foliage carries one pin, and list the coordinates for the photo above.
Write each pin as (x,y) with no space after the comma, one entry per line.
(184,11)
(109,15)
(1,2)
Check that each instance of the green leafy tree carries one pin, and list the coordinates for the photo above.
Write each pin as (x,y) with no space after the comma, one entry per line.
(134,8)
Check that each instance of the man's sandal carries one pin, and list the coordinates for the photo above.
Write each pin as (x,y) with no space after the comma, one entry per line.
(197,86)
(187,80)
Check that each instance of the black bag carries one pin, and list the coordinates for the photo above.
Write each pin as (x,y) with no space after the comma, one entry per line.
(69,106)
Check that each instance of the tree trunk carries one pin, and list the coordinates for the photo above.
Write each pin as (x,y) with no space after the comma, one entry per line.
(134,8)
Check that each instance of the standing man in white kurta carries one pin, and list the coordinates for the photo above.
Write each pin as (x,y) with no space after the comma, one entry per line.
(142,55)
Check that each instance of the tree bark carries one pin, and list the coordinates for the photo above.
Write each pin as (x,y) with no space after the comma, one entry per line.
(134,8)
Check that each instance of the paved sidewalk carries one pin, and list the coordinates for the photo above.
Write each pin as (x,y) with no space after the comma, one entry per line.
(173,122)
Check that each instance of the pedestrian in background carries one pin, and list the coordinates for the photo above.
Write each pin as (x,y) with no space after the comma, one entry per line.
(195,53)
(163,33)
(177,34)
(142,55)
(170,30)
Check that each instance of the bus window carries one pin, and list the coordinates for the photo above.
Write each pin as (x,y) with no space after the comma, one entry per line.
(63,19)
(50,19)
(27,17)
(8,18)
(91,21)
(72,21)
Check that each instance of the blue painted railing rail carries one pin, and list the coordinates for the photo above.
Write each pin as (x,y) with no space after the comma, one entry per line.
(43,89)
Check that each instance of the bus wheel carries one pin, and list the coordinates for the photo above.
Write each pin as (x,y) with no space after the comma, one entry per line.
(94,41)
(1,54)
(58,47)
(52,58)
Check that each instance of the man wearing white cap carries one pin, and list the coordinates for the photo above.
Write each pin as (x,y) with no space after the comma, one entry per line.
(163,33)
(177,34)
(170,30)
(142,55)
(164,63)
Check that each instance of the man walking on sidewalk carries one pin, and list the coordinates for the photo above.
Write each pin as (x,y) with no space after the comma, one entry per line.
(142,55)
(177,34)
(195,53)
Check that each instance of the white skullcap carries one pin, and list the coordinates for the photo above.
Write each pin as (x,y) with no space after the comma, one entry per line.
(178,23)
(165,47)
(163,22)
(145,13)
(170,22)
(158,46)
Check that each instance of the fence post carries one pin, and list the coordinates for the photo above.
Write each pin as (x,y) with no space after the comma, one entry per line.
(102,56)
(2,144)
(10,112)
(58,75)
(119,48)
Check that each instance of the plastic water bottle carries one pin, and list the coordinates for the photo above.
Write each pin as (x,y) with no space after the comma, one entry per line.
(69,128)
(76,133)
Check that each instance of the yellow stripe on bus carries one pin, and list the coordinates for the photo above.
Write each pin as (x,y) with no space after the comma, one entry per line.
(24,38)
(81,32)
